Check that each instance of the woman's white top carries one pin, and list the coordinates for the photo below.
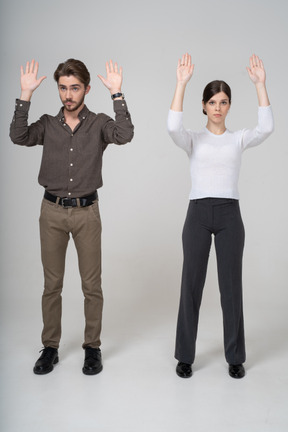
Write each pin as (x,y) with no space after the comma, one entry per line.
(215,160)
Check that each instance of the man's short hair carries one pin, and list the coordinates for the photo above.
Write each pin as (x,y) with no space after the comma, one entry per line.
(75,68)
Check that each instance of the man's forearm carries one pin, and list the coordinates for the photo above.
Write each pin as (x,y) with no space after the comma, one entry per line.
(20,132)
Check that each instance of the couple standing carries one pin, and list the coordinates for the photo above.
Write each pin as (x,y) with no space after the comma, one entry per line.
(73,144)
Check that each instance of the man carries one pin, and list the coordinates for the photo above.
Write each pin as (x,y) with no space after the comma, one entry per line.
(73,145)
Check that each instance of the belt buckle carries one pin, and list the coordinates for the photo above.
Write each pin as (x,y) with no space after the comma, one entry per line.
(66,204)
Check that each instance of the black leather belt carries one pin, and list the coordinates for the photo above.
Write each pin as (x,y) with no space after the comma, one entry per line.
(72,202)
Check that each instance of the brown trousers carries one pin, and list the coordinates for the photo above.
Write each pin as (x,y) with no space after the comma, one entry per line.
(56,224)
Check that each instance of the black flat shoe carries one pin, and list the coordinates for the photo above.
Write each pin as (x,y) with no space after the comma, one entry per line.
(46,361)
(184,370)
(93,361)
(236,371)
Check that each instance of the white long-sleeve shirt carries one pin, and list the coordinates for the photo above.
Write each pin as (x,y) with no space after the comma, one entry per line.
(215,160)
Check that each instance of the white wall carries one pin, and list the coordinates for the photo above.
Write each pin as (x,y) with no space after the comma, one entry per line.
(146,183)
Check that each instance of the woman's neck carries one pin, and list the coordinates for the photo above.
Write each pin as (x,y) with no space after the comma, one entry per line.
(216,129)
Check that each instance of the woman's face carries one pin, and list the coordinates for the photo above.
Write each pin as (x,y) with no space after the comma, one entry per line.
(217,108)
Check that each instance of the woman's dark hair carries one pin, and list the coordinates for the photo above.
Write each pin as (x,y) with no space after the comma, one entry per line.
(213,88)
(75,68)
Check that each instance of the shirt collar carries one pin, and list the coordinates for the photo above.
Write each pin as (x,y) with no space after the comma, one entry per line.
(82,114)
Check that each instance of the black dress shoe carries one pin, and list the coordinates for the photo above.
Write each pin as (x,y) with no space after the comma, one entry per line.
(184,370)
(93,361)
(236,371)
(46,361)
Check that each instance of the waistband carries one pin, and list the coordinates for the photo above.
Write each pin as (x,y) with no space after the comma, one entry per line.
(72,202)
(212,200)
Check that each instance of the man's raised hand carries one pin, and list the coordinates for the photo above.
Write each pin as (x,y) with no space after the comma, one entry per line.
(29,80)
(114,78)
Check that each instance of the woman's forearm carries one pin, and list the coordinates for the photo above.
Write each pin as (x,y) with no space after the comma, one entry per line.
(262,94)
(177,102)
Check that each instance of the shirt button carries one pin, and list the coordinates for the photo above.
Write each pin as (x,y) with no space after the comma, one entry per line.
(71,149)
(69,193)
(71,179)
(71,164)
(64,124)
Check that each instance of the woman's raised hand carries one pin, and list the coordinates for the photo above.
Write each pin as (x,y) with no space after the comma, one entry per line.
(184,69)
(258,77)
(184,73)
(256,70)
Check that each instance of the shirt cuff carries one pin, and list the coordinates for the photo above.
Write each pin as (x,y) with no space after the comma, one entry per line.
(21,105)
(120,105)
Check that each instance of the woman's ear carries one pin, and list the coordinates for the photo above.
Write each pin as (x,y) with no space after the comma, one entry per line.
(203,108)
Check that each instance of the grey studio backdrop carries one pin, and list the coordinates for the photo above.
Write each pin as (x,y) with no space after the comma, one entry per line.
(146,183)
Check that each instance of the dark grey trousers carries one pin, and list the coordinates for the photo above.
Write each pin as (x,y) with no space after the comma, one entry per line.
(220,217)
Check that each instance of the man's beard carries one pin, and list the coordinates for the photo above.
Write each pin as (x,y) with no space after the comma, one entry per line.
(73,107)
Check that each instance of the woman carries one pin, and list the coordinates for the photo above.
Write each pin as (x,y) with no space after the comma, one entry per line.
(215,157)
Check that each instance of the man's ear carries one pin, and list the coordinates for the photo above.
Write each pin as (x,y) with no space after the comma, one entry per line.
(87,89)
